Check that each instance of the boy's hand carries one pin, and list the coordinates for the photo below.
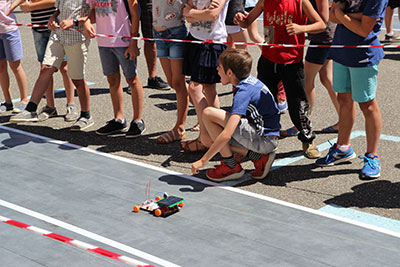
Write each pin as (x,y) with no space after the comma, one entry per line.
(186,9)
(196,166)
(14,6)
(240,17)
(25,7)
(88,30)
(52,24)
(66,24)
(214,4)
(293,28)
(132,52)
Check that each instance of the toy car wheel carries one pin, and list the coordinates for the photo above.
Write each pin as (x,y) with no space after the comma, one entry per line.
(136,208)
(180,205)
(158,212)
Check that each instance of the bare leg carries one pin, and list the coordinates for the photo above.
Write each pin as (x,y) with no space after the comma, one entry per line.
(49,92)
(42,83)
(373,124)
(240,36)
(20,76)
(136,97)
(117,97)
(172,69)
(83,94)
(389,20)
(347,116)
(68,84)
(5,81)
(150,53)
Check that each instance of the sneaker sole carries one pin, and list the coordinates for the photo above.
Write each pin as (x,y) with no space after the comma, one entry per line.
(124,130)
(233,176)
(23,120)
(134,136)
(81,129)
(338,161)
(371,177)
(267,166)
(72,119)
(159,88)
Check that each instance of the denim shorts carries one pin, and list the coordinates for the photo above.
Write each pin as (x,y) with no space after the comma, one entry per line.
(168,49)
(317,55)
(113,57)
(361,82)
(41,39)
(246,136)
(11,46)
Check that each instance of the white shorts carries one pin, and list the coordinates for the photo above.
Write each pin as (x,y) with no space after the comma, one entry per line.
(76,57)
(231,29)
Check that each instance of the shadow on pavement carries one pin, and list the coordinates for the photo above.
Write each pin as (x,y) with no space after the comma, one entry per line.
(377,194)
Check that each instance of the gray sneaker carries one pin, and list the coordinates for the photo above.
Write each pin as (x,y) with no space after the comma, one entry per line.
(82,123)
(18,108)
(72,113)
(25,116)
(47,112)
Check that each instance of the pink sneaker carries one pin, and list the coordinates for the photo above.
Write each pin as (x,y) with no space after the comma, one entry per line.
(263,165)
(223,173)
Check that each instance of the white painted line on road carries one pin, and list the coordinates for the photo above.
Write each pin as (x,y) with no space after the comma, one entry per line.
(206,182)
(88,234)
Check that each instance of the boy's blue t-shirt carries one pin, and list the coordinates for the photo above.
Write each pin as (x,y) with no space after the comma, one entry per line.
(253,100)
(359,57)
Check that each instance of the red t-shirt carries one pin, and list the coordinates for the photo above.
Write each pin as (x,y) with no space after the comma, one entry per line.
(278,13)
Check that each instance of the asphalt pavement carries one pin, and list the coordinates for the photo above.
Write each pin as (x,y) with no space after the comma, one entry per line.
(295,179)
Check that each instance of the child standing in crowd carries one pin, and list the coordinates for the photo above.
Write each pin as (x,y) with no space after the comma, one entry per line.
(112,18)
(284,23)
(64,42)
(11,52)
(250,129)
(235,32)
(168,23)
(201,60)
(355,74)
(41,11)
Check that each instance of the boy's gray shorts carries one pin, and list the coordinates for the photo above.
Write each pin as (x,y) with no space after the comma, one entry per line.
(246,136)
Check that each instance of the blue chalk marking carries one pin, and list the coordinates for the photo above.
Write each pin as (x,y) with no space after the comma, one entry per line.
(363,217)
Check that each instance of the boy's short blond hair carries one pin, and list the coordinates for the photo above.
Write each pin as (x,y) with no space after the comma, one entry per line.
(238,60)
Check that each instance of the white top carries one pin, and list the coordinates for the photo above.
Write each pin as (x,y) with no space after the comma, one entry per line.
(209,30)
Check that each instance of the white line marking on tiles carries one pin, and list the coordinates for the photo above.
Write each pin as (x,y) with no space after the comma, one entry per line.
(75,243)
(88,234)
(206,182)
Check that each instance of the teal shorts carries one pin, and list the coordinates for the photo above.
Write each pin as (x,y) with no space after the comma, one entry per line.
(360,82)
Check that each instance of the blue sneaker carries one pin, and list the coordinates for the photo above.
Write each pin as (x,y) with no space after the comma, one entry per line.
(372,167)
(336,156)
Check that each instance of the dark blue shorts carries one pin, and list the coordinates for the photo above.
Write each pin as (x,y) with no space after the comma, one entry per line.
(317,55)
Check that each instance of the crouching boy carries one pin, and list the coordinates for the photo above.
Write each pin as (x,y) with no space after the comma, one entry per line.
(250,129)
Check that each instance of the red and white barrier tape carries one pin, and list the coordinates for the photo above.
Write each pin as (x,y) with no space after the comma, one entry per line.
(227,43)
(76,243)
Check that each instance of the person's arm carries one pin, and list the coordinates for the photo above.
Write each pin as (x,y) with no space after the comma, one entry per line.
(35,5)
(222,139)
(317,25)
(209,14)
(332,16)
(361,27)
(14,5)
(244,20)
(88,30)
(323,9)
(53,24)
(133,51)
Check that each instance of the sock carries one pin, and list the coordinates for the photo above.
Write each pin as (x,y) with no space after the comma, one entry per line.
(389,34)
(31,107)
(71,105)
(231,162)
(343,147)
(85,114)
(120,121)
(253,155)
